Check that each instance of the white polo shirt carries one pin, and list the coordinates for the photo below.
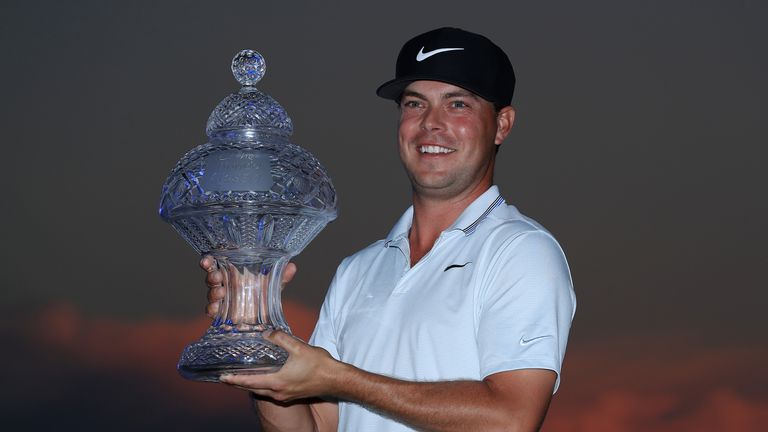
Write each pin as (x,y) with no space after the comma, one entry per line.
(493,294)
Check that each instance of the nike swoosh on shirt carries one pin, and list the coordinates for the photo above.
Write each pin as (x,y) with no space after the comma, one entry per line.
(457,265)
(524,341)
(421,55)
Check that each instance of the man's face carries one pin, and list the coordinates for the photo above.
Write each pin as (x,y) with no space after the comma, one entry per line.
(448,138)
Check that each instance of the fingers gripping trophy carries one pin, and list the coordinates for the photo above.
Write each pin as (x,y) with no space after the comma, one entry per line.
(252,200)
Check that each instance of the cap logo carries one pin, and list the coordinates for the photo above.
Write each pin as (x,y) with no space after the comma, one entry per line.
(421,55)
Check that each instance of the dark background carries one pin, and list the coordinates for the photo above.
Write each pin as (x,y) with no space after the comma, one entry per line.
(640,143)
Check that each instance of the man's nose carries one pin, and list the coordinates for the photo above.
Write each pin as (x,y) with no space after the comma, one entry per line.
(432,119)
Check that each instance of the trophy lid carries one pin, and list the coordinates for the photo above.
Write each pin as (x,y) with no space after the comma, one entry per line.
(248,113)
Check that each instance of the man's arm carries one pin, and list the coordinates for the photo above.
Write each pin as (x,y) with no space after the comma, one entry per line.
(505,401)
(509,401)
(303,415)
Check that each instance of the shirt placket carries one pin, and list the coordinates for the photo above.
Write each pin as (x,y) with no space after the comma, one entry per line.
(403,285)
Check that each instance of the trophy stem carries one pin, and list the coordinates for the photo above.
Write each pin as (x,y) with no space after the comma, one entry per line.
(234,343)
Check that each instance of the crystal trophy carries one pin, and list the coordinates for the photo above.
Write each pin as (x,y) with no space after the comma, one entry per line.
(252,200)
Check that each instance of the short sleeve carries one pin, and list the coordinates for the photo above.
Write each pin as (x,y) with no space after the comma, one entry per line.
(324,335)
(526,304)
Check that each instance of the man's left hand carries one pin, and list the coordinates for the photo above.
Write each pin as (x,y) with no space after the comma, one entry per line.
(308,372)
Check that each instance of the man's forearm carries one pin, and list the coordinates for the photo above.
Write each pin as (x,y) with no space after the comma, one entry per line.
(446,406)
(304,415)
(284,417)
(509,401)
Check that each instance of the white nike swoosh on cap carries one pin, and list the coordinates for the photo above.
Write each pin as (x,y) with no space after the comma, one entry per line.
(421,55)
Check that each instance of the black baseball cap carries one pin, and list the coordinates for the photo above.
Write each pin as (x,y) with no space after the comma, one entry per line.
(457,57)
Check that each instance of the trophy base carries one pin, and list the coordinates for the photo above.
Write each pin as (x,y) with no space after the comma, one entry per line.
(230,353)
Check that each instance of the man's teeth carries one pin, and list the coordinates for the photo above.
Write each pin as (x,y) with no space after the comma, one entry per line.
(435,149)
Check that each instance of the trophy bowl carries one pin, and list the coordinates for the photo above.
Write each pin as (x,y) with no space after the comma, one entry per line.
(252,200)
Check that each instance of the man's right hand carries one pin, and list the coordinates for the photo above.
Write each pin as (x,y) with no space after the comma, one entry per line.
(215,281)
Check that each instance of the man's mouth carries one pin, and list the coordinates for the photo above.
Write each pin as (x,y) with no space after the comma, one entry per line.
(434,149)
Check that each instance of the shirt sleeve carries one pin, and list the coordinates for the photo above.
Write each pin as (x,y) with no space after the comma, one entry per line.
(526,305)
(325,335)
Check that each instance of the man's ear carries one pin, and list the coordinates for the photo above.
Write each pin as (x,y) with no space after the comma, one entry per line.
(504,121)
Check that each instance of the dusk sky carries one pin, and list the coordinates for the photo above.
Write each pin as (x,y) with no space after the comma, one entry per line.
(640,143)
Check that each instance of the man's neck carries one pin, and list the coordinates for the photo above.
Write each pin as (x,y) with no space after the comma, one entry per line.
(431,216)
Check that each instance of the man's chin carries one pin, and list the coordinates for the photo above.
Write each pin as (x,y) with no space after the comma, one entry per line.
(434,189)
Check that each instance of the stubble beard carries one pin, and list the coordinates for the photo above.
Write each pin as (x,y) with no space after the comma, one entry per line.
(445,186)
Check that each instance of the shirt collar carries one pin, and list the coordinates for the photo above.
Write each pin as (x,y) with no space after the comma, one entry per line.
(466,222)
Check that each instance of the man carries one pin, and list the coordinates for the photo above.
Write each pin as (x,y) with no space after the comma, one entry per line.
(459,319)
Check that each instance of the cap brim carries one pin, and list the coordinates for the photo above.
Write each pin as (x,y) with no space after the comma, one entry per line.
(394,88)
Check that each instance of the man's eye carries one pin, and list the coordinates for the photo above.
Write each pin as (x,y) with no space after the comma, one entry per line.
(458,104)
(411,104)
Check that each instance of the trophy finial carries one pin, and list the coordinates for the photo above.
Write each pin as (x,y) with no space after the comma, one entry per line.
(248,67)
(248,112)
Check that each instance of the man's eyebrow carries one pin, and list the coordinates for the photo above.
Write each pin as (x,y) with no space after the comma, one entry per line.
(411,93)
(462,93)
(454,94)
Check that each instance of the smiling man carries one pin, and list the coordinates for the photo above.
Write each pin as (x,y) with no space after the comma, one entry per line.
(457,320)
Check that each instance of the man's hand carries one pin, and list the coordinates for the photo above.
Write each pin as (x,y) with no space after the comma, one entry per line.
(309,372)
(215,281)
